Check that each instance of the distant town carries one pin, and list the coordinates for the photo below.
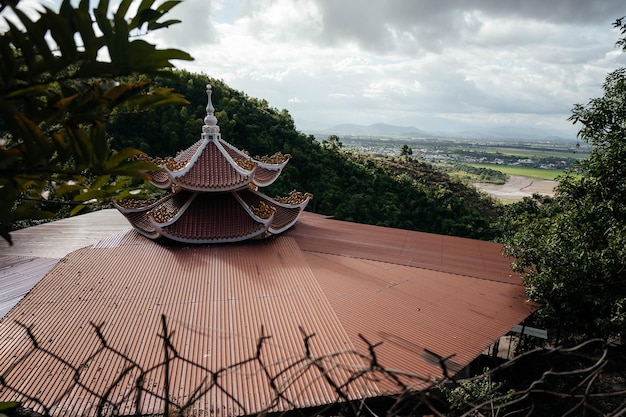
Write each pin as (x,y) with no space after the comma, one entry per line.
(549,154)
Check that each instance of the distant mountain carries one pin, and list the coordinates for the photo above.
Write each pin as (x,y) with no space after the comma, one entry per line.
(510,132)
(485,133)
(377,129)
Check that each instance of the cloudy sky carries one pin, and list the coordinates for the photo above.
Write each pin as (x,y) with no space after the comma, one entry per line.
(439,65)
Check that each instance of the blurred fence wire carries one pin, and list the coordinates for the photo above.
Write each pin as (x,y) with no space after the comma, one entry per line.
(586,379)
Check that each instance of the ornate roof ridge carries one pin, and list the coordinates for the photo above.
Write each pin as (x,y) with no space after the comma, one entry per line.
(214,197)
(204,182)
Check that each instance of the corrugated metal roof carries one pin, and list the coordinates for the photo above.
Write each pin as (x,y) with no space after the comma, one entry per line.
(18,275)
(57,239)
(37,249)
(404,247)
(415,292)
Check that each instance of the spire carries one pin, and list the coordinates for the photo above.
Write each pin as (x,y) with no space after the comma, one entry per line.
(214,195)
(210,130)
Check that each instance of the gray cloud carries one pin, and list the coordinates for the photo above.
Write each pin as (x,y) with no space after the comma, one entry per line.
(197,26)
(435,24)
(442,63)
(455,63)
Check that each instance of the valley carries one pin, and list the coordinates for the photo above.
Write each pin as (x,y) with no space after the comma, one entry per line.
(507,169)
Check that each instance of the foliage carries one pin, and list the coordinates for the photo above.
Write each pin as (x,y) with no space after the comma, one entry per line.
(480,390)
(333,142)
(7,407)
(482,173)
(573,248)
(57,95)
(406,151)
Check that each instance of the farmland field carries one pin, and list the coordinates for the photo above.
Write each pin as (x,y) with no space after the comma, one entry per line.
(536,173)
(517,187)
(532,153)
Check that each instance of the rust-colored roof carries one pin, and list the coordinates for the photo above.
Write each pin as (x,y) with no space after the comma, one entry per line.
(18,274)
(414,292)
(37,249)
(450,254)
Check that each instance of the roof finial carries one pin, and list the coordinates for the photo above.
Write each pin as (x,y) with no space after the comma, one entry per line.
(210,121)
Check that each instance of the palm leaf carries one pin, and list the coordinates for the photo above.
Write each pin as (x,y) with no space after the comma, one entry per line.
(8,62)
(145,14)
(62,33)
(56,113)
(37,32)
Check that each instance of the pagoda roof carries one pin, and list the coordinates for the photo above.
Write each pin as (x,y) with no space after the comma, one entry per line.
(214,197)
(214,165)
(193,217)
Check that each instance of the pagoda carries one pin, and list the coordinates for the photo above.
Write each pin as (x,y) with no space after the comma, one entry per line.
(213,194)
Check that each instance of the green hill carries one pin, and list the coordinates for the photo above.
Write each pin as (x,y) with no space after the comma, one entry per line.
(397,192)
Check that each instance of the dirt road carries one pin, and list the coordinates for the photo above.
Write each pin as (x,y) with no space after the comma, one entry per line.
(518,187)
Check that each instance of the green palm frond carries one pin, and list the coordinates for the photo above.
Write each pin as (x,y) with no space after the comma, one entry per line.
(61,77)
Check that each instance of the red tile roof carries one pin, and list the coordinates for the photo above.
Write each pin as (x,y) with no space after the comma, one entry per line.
(265,173)
(208,219)
(414,292)
(210,170)
(160,179)
(264,176)
(213,166)
(188,153)
(221,171)
(286,214)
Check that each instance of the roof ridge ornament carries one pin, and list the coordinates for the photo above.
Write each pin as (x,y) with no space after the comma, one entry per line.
(213,193)
(210,130)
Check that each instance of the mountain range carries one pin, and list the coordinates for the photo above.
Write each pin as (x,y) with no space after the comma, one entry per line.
(376,129)
(488,133)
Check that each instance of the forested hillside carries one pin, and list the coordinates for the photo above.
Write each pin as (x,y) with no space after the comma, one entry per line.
(398,192)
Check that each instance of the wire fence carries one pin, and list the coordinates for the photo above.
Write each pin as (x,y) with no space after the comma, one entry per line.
(586,379)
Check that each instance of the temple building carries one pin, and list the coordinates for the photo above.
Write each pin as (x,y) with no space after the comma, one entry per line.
(213,194)
(96,320)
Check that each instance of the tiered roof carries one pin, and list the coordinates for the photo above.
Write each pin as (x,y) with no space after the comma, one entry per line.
(214,194)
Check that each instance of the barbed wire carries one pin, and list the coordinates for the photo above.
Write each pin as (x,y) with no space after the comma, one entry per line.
(573,381)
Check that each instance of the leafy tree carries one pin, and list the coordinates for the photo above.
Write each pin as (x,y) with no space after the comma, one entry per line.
(333,142)
(60,81)
(573,248)
(406,151)
(478,393)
